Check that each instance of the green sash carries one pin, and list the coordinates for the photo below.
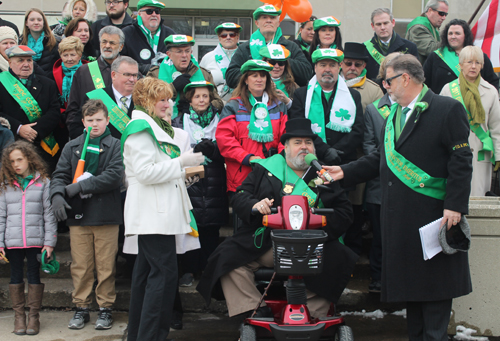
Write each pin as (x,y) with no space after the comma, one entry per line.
(117,117)
(30,107)
(450,58)
(425,22)
(410,174)
(257,41)
(384,111)
(168,73)
(482,135)
(95,73)
(379,58)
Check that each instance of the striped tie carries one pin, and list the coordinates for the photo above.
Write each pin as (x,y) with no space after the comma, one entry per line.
(124,105)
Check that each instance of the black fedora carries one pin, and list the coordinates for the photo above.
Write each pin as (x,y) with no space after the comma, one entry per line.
(355,51)
(298,127)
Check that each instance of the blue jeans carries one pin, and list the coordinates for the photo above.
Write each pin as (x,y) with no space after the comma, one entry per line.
(16,259)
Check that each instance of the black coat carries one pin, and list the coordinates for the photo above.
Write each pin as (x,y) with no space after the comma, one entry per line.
(10,24)
(345,142)
(438,73)
(76,127)
(48,58)
(136,41)
(98,25)
(240,249)
(437,142)
(208,196)
(104,206)
(398,45)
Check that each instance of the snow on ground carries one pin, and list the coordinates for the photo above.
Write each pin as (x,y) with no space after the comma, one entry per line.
(400,313)
(465,334)
(377,314)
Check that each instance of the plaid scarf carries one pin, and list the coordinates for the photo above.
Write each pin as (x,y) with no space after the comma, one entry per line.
(203,119)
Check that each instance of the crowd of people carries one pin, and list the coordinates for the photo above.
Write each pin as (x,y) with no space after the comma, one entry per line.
(102,121)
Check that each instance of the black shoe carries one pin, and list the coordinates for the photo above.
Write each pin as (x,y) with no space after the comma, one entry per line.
(263,312)
(176,324)
(375,286)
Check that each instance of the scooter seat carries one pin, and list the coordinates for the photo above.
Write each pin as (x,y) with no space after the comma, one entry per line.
(265,275)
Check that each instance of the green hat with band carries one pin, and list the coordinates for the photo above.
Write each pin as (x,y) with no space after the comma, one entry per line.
(332,54)
(256,65)
(198,84)
(150,3)
(179,40)
(267,9)
(275,52)
(227,26)
(326,21)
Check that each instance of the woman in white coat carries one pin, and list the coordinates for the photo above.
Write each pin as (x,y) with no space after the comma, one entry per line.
(480,99)
(156,208)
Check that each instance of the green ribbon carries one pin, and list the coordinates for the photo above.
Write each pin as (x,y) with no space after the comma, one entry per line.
(379,58)
(260,128)
(482,135)
(118,118)
(96,75)
(257,41)
(450,58)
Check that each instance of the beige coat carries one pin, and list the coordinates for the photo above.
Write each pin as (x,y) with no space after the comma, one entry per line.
(482,170)
(370,92)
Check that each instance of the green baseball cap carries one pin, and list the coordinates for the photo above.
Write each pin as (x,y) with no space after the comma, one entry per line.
(150,3)
(332,54)
(227,26)
(256,65)
(267,9)
(198,84)
(326,21)
(275,52)
(178,40)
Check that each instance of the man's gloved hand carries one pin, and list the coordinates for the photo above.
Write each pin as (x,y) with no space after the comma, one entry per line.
(206,147)
(191,159)
(497,165)
(180,82)
(73,189)
(59,207)
(332,156)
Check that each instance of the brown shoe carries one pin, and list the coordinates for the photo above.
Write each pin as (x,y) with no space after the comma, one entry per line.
(18,301)
(35,294)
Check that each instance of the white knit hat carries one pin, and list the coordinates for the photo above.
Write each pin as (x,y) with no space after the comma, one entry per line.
(7,32)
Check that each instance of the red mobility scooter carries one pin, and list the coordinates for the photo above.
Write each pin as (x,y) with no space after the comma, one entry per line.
(298,251)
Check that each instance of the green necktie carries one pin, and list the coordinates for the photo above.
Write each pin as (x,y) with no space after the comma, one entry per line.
(403,118)
(124,105)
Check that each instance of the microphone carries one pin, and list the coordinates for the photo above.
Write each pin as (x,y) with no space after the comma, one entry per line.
(312,161)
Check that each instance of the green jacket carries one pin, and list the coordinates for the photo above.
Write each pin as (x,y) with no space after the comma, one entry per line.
(423,38)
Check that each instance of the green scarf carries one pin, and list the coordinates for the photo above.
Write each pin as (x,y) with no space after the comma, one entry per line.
(202,119)
(383,47)
(423,20)
(24,182)
(303,45)
(164,125)
(260,128)
(68,79)
(153,39)
(257,41)
(472,99)
(280,86)
(93,151)
(449,56)
(36,46)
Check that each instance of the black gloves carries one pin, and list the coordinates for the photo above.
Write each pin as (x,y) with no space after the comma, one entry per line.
(59,207)
(73,189)
(332,156)
(180,82)
(206,147)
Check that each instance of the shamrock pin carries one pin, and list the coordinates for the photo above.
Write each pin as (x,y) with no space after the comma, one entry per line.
(277,53)
(218,58)
(343,114)
(255,42)
(421,106)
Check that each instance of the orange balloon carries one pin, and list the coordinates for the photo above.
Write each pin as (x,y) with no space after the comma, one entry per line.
(291,2)
(300,12)
(284,10)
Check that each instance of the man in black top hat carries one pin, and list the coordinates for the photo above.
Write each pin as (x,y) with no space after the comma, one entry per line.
(233,263)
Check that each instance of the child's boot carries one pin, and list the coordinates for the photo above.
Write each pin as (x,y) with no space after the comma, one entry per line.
(18,302)
(35,294)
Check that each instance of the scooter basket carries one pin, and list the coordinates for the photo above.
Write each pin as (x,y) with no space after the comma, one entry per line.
(298,252)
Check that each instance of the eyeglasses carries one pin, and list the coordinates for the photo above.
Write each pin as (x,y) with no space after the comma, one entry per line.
(473,62)
(114,2)
(128,75)
(356,64)
(274,62)
(224,35)
(441,13)
(150,11)
(388,81)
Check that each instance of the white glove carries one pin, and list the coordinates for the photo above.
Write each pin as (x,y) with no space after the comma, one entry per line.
(191,159)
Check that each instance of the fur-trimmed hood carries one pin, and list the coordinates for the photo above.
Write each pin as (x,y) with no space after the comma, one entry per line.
(4,122)
(91,14)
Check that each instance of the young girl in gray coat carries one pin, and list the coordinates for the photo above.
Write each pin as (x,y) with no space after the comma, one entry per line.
(27,228)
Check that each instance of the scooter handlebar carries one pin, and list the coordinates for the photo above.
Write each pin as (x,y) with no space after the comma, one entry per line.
(255,211)
(322,211)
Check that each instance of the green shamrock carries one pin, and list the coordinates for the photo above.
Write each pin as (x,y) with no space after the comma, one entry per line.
(268,8)
(276,53)
(179,38)
(330,20)
(343,114)
(218,58)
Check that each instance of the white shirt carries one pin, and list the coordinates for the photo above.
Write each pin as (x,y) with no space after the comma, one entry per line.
(118,97)
(411,105)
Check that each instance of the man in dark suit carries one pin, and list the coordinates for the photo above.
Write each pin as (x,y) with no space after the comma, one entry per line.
(425,167)
(30,103)
(124,74)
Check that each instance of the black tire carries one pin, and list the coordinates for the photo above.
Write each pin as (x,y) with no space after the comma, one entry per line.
(248,333)
(344,333)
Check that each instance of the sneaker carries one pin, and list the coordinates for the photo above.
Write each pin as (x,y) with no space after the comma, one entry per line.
(104,319)
(81,317)
(186,280)
(375,286)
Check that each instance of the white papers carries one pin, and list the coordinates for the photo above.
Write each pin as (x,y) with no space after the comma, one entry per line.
(430,240)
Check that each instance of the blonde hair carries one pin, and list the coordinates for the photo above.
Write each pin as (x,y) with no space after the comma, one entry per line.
(51,42)
(388,58)
(149,91)
(71,43)
(471,52)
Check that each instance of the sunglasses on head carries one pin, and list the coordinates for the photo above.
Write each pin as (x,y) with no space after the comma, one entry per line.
(388,81)
(150,11)
(441,13)
(231,35)
(356,64)
(274,62)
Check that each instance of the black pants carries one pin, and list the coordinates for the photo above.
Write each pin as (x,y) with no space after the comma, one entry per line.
(428,321)
(195,260)
(154,283)
(353,237)
(16,259)
(376,248)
